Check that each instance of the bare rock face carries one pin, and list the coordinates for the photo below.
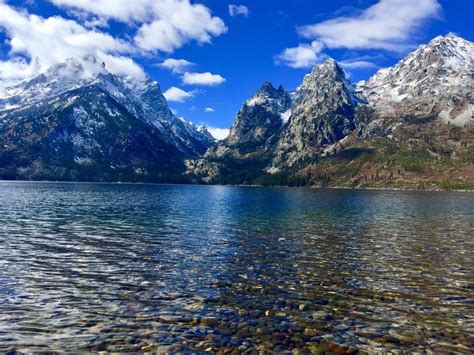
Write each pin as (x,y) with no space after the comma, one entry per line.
(322,113)
(203,169)
(260,117)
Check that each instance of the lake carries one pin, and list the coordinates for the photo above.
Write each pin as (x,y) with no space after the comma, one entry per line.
(122,267)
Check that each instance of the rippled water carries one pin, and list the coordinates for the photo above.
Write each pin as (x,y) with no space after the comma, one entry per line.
(206,268)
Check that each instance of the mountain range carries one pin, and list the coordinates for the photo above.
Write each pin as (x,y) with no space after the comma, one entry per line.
(410,126)
(77,121)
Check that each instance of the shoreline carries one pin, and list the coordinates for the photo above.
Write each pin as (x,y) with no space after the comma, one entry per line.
(243,185)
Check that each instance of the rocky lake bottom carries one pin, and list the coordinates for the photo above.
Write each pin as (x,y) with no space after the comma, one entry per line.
(182,268)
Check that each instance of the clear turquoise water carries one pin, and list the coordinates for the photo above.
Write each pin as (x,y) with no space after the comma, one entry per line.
(194,268)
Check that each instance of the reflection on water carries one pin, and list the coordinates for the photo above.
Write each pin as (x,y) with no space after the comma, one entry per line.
(206,268)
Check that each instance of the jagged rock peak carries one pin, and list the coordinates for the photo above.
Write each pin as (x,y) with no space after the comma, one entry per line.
(329,69)
(204,131)
(450,41)
(322,77)
(261,116)
(266,87)
(268,94)
(321,113)
(329,63)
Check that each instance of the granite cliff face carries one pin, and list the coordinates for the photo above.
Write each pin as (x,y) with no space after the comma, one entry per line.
(261,116)
(74,123)
(322,113)
(410,125)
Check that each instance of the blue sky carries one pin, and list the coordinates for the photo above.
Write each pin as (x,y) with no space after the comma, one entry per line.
(216,53)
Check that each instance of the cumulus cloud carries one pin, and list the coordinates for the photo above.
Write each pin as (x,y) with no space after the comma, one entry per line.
(174,94)
(302,56)
(207,79)
(388,25)
(37,43)
(218,133)
(208,109)
(235,10)
(176,65)
(164,25)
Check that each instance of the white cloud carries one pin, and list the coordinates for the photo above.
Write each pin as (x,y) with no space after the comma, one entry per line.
(174,94)
(16,69)
(182,28)
(37,43)
(208,109)
(176,65)
(95,22)
(235,10)
(218,133)
(123,11)
(302,56)
(121,65)
(389,25)
(206,78)
(357,64)
(164,25)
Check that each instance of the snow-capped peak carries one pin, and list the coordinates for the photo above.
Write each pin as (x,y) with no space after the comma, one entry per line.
(276,100)
(143,99)
(434,77)
(79,69)
(448,52)
(59,78)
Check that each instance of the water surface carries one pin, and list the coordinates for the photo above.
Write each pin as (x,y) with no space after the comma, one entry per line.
(205,268)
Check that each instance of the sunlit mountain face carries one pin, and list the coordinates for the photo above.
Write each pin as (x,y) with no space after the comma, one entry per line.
(402,127)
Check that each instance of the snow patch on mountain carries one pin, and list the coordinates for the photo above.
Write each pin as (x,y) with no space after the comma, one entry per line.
(285,116)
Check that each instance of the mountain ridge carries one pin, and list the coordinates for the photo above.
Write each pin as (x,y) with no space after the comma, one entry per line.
(81,117)
(422,106)
(410,125)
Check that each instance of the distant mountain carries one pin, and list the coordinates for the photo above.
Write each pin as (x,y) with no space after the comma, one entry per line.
(77,121)
(251,139)
(322,113)
(411,125)
(435,80)
(260,117)
(408,126)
